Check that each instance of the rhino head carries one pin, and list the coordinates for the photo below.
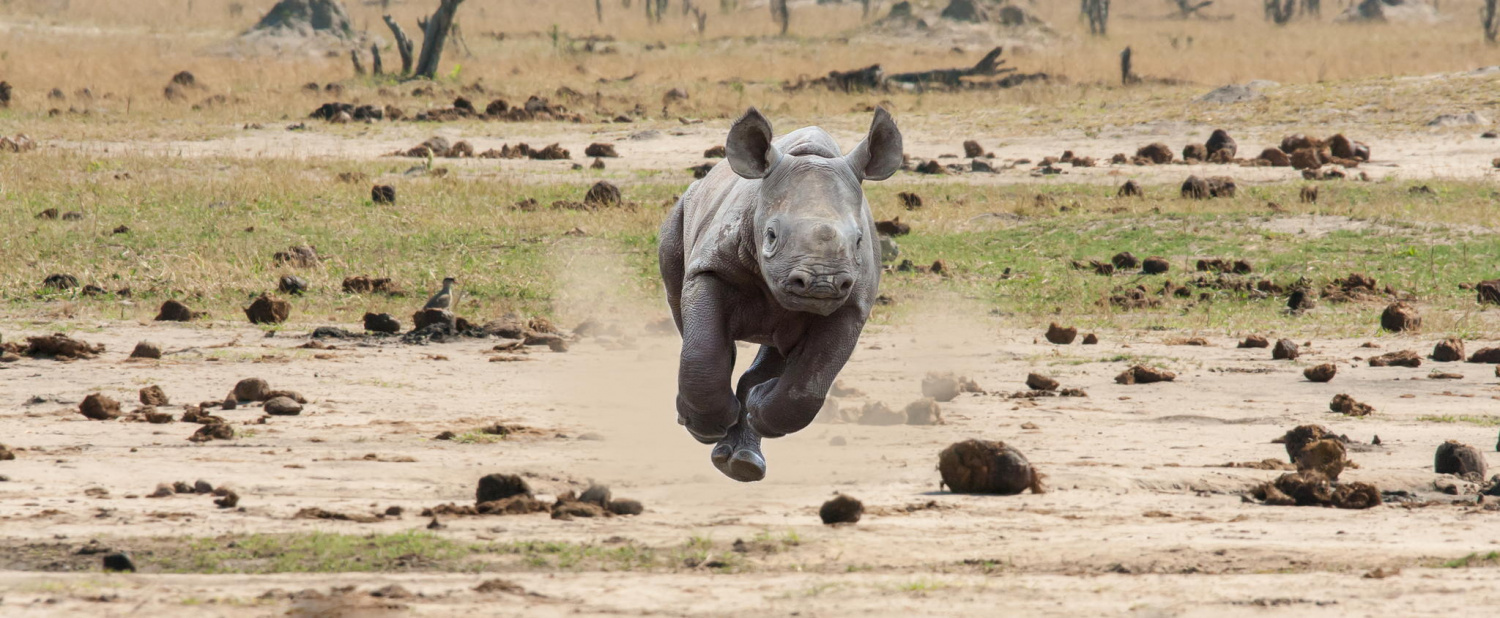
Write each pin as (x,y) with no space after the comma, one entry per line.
(811,218)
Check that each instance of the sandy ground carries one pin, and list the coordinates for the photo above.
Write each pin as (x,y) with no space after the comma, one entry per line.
(671,147)
(1141,520)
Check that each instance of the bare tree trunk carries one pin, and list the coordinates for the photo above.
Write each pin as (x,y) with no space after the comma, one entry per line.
(435,37)
(781,15)
(864,9)
(359,67)
(375,65)
(403,44)
(1098,14)
(599,10)
(1489,17)
(1127,75)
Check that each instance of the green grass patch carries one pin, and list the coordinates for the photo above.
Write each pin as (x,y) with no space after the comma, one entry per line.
(1473,560)
(1484,420)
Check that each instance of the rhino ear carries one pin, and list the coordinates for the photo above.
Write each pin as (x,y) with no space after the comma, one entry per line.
(749,148)
(879,155)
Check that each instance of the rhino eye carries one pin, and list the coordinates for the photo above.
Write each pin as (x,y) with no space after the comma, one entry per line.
(770,237)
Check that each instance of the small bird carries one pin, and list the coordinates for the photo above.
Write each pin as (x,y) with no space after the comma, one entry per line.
(443,299)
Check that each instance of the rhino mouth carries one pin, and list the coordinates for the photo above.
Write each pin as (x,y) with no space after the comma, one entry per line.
(821,294)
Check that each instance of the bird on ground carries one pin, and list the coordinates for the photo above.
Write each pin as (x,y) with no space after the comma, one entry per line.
(443,299)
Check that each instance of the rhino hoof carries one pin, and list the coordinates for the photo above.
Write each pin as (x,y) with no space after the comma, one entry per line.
(700,436)
(746,466)
(738,455)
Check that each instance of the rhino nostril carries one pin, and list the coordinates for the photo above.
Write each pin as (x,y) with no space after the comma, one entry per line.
(798,282)
(845,283)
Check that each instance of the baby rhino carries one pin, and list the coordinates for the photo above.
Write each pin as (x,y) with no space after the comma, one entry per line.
(775,246)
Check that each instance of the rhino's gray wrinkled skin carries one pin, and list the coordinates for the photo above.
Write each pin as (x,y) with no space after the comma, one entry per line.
(775,246)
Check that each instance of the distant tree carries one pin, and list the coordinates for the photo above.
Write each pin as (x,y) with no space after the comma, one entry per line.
(1097,12)
(1489,17)
(781,15)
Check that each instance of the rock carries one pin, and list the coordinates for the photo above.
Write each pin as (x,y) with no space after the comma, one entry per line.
(268,309)
(292,284)
(600,150)
(626,506)
(252,389)
(432,317)
(382,323)
(924,411)
(986,467)
(100,407)
(201,486)
(596,494)
(1404,358)
(1275,157)
(119,561)
(282,406)
(1255,341)
(1346,405)
(1285,350)
(501,486)
(1039,382)
(1059,335)
(1155,266)
(1400,317)
(1458,120)
(1459,459)
(943,387)
(153,396)
(1131,188)
(602,195)
(1320,373)
(1157,153)
(146,350)
(383,194)
(1141,374)
(841,509)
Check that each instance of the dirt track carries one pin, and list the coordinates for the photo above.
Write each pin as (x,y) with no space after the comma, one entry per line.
(1140,516)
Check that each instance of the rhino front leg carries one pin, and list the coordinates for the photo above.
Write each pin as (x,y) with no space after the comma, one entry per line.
(738,455)
(706,405)
(788,403)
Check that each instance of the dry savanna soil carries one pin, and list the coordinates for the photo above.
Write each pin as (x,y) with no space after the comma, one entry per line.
(1213,386)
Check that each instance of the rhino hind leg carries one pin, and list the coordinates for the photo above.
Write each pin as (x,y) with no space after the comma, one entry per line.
(739,456)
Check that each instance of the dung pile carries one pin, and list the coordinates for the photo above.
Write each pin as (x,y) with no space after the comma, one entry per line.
(986,467)
(1320,457)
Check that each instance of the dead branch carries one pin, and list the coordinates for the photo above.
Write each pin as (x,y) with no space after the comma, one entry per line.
(989,65)
(375,64)
(435,37)
(359,67)
(403,44)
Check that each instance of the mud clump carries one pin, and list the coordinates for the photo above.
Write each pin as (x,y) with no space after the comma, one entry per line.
(300,256)
(153,396)
(383,194)
(361,284)
(1404,358)
(1141,374)
(1195,188)
(61,347)
(893,227)
(146,350)
(291,284)
(1300,300)
(252,389)
(384,323)
(1327,456)
(1459,459)
(986,467)
(6,454)
(1039,382)
(944,387)
(1311,488)
(909,201)
(1488,292)
(924,411)
(1220,141)
(841,509)
(1399,317)
(282,406)
(1155,266)
(878,414)
(268,309)
(1346,405)
(1285,350)
(1448,351)
(1131,188)
(494,487)
(174,311)
(602,195)
(1194,153)
(1157,153)
(432,317)
(100,407)
(1255,341)
(1487,355)
(1299,437)
(601,150)
(1274,157)
(1059,335)
(1125,260)
(1320,373)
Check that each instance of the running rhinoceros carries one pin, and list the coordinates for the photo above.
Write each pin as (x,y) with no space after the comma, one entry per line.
(775,246)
